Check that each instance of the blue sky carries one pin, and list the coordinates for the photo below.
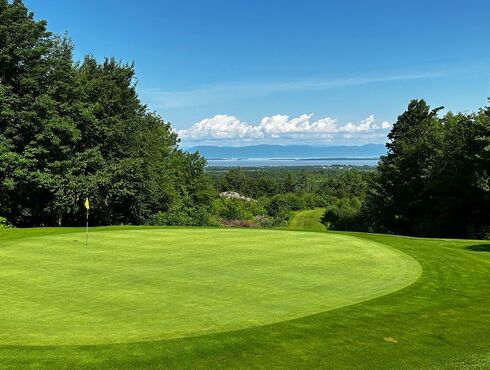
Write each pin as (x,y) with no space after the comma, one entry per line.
(320,72)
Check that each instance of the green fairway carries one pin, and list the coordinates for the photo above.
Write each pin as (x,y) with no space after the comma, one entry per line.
(214,298)
(307,220)
(140,285)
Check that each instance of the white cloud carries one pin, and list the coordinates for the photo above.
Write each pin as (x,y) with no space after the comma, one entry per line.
(229,129)
(221,127)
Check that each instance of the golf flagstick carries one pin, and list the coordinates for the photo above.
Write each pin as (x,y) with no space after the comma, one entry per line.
(87,206)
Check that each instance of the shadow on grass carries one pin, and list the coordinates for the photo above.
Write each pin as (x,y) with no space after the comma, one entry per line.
(479,248)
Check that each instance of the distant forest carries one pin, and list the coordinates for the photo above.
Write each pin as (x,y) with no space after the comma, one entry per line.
(75,129)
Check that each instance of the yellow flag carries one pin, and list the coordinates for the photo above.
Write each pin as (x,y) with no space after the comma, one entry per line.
(87,204)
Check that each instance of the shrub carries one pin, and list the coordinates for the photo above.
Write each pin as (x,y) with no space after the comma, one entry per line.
(4,224)
(343,214)
(171,218)
(237,209)
(237,223)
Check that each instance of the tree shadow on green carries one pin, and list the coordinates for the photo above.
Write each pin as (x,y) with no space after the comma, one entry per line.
(479,247)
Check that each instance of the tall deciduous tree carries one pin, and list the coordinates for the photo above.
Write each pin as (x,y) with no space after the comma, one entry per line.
(71,130)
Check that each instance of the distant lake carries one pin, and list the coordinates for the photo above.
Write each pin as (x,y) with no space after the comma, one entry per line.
(281,162)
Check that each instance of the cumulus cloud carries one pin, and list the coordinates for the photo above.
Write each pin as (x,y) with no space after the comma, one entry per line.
(283,128)
(220,126)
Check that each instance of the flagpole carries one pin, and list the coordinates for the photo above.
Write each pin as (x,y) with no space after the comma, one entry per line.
(87,207)
(86,230)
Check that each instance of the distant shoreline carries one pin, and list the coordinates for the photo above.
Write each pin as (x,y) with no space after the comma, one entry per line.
(327,159)
(298,159)
(293,162)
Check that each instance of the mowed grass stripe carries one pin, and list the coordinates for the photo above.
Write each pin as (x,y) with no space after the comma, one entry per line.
(307,220)
(146,284)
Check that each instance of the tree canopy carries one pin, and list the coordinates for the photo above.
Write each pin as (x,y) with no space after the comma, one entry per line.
(70,129)
(74,129)
(434,180)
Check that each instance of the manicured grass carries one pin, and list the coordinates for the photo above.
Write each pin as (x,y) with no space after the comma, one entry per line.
(307,220)
(440,321)
(141,285)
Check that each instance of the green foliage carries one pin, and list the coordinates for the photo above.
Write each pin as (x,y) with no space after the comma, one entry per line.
(171,218)
(4,224)
(278,209)
(343,214)
(435,179)
(266,182)
(235,209)
(282,191)
(236,180)
(240,212)
(405,173)
(68,131)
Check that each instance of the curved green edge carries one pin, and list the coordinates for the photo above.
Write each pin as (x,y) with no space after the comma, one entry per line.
(439,322)
(397,270)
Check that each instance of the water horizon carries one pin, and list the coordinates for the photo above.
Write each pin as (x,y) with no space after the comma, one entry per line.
(290,162)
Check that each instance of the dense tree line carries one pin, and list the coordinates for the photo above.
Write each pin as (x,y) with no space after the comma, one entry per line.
(70,129)
(434,180)
(277,192)
(75,129)
(254,182)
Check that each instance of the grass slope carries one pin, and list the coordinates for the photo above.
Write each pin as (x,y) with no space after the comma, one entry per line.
(140,285)
(439,322)
(307,220)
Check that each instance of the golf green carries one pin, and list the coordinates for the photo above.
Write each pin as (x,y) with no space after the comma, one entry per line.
(134,285)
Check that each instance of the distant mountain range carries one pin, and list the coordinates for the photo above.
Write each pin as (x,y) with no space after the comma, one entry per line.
(290,151)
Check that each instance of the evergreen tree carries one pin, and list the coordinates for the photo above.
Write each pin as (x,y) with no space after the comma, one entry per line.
(402,201)
(435,179)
